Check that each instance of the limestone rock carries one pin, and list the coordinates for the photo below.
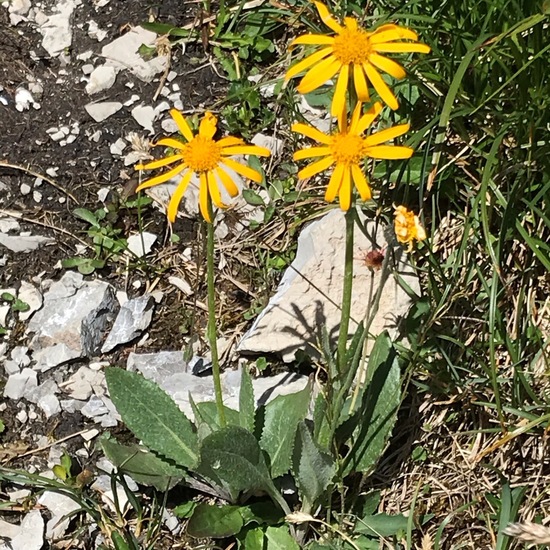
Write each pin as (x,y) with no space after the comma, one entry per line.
(310,293)
(72,320)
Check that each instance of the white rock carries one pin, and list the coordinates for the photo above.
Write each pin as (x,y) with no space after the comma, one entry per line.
(23,99)
(95,32)
(8,224)
(19,355)
(4,311)
(37,196)
(122,53)
(57,29)
(144,115)
(87,68)
(50,405)
(11,367)
(19,7)
(23,243)
(71,321)
(32,297)
(9,531)
(181,284)
(275,145)
(25,189)
(140,244)
(22,416)
(308,299)
(169,126)
(102,78)
(57,136)
(82,383)
(59,506)
(102,111)
(118,147)
(19,384)
(132,319)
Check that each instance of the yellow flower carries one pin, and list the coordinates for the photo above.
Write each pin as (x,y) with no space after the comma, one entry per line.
(346,148)
(357,52)
(407,226)
(201,154)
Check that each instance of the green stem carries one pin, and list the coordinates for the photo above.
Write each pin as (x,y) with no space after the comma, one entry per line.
(211,328)
(346,296)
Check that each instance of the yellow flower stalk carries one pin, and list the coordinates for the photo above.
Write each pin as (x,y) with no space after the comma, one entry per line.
(354,52)
(408,227)
(201,154)
(346,149)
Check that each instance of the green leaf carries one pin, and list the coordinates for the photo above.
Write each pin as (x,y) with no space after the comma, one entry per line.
(151,414)
(232,458)
(7,297)
(382,525)
(212,521)
(207,412)
(279,538)
(185,510)
(377,414)
(141,465)
(251,197)
(87,216)
(262,512)
(19,305)
(2,426)
(163,28)
(253,539)
(118,541)
(313,469)
(281,419)
(246,401)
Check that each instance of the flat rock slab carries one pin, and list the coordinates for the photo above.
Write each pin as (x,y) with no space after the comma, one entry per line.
(18,243)
(308,299)
(72,320)
(123,53)
(132,319)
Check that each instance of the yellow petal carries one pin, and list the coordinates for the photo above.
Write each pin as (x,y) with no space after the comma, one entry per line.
(311,132)
(387,65)
(396,33)
(315,168)
(387,134)
(208,125)
(313,39)
(228,183)
(360,83)
(350,23)
(404,47)
(162,178)
(307,62)
(381,87)
(177,196)
(361,182)
(345,189)
(230,140)
(355,117)
(327,19)
(246,150)
(245,171)
(334,184)
(170,142)
(389,152)
(311,152)
(367,119)
(159,163)
(184,128)
(319,74)
(339,98)
(204,199)
(214,190)
(420,231)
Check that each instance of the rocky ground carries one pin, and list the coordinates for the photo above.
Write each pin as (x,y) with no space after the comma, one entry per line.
(91,277)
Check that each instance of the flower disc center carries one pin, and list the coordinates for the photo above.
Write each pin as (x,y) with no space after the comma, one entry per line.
(352,46)
(202,154)
(347,148)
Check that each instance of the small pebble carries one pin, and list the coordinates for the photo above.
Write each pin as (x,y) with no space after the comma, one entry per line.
(25,189)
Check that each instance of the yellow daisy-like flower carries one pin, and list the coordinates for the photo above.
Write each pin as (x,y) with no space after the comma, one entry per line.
(353,51)
(201,154)
(346,149)
(407,226)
